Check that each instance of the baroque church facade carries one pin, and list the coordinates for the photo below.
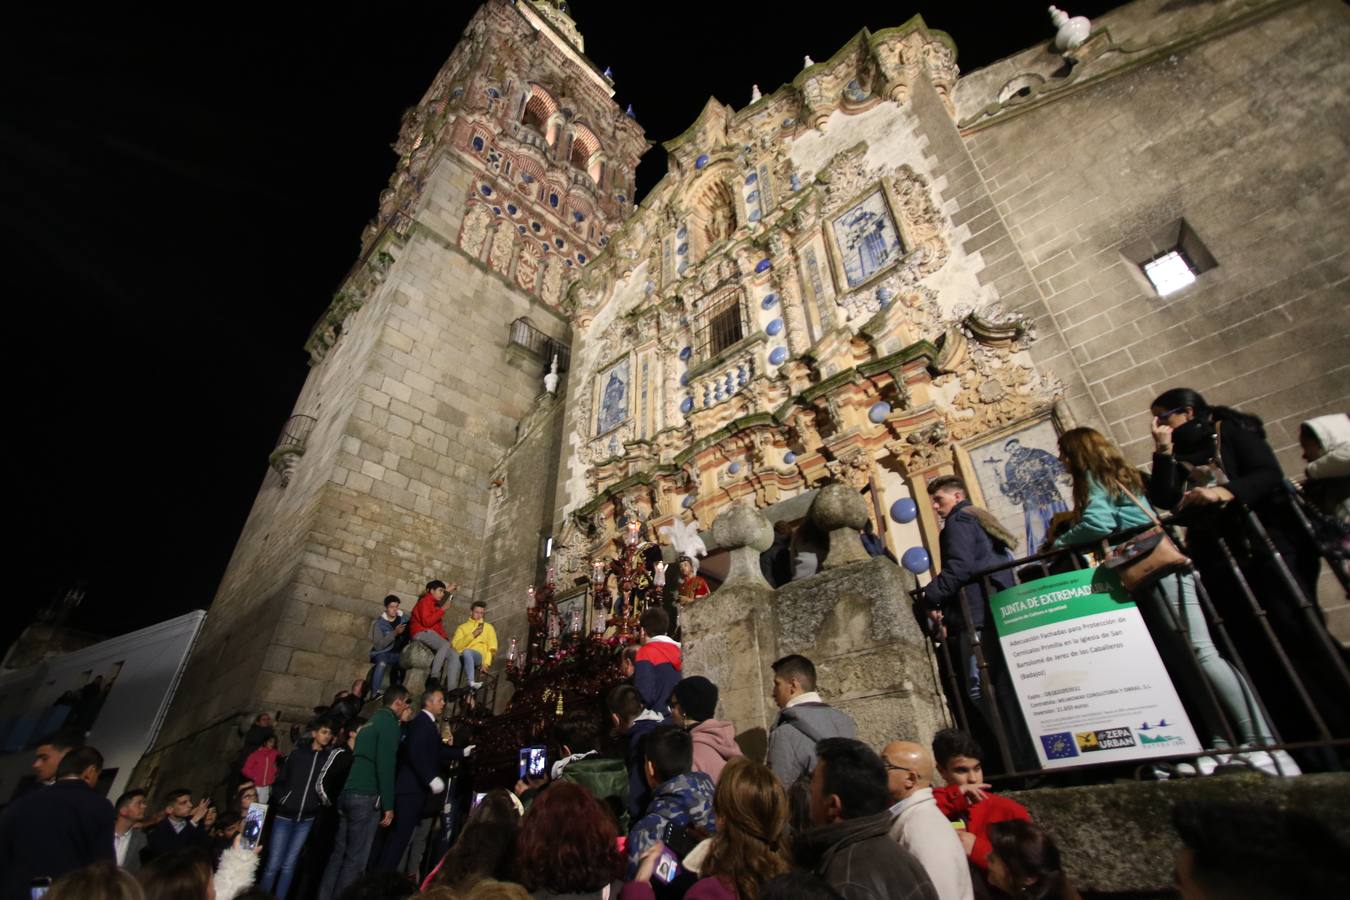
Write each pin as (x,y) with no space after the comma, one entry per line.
(880,272)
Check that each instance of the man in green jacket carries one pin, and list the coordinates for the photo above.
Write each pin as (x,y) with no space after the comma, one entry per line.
(369,792)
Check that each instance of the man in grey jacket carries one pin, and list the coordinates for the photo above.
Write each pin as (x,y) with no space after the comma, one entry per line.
(386,643)
(803,720)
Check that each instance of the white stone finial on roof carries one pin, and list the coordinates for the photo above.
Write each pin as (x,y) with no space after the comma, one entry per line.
(808,62)
(755,95)
(1072,31)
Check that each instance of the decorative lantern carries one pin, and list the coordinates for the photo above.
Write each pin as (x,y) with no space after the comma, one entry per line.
(659,573)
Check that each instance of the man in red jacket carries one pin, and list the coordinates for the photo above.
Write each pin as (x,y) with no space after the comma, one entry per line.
(966,798)
(428,627)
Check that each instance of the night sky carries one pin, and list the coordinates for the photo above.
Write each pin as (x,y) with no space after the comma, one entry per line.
(183,189)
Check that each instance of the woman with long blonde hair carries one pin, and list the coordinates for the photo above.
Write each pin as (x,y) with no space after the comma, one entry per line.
(1108,495)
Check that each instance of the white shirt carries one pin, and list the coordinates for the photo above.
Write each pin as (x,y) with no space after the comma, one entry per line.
(808,697)
(922,829)
(120,844)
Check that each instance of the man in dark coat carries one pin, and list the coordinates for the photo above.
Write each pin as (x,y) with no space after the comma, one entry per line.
(421,774)
(59,829)
(181,826)
(972,541)
(850,846)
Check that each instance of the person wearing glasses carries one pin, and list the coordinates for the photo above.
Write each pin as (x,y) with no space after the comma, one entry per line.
(919,826)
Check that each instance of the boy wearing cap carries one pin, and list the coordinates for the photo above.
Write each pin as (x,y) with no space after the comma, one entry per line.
(693,703)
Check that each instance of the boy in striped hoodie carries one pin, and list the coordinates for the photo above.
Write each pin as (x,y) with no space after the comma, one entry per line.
(657,669)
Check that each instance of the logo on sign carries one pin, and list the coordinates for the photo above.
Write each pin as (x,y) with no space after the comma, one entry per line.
(1106,739)
(1058,745)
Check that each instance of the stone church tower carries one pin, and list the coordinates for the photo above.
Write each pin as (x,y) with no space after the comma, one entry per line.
(427,373)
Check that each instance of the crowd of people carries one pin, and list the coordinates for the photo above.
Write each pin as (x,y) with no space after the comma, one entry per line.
(651,800)
(649,794)
(1247,547)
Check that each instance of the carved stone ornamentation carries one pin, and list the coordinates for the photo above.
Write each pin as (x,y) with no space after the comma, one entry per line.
(473,233)
(503,246)
(854,469)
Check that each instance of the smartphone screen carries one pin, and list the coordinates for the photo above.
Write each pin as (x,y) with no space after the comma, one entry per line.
(251,832)
(667,866)
(477,799)
(532,761)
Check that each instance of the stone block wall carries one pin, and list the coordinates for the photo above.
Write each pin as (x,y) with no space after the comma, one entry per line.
(853,622)
(1241,135)
(416,407)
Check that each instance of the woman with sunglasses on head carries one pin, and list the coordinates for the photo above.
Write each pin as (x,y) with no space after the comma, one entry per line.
(1211,464)
(1108,496)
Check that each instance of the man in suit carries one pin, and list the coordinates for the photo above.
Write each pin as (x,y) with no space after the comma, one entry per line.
(128,838)
(59,829)
(421,763)
(181,826)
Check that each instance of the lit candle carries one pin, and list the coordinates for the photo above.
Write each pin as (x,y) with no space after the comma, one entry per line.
(659,573)
(529,598)
(632,536)
(597,572)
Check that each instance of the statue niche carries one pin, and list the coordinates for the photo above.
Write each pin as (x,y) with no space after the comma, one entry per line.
(714,212)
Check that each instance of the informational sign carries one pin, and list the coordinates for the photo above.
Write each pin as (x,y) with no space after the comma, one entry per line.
(1088,677)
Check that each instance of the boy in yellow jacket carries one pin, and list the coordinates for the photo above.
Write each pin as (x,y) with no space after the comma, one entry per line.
(475,642)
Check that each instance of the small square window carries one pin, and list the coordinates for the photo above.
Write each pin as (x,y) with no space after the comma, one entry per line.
(1171,258)
(1169,272)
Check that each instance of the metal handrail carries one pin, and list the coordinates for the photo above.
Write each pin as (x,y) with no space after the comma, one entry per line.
(1322,646)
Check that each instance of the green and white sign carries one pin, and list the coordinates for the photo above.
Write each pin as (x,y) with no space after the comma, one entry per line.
(1088,677)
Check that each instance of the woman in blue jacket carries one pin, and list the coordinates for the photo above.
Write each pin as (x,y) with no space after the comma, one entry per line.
(1109,497)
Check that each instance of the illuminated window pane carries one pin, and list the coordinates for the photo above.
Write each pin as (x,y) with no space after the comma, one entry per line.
(1169,272)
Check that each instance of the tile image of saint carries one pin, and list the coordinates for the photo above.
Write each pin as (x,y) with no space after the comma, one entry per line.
(613,399)
(1029,479)
(867,239)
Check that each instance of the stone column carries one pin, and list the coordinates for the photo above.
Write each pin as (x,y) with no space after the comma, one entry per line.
(729,636)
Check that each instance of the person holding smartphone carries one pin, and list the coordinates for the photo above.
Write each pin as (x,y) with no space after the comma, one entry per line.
(475,642)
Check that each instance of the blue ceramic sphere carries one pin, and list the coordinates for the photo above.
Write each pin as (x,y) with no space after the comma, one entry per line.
(763,265)
(904,510)
(916,560)
(777,355)
(687,406)
(768,301)
(879,411)
(773,327)
(686,352)
(734,468)
(701,161)
(789,457)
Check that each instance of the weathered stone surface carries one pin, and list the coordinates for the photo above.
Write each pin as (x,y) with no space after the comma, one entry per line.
(855,624)
(840,512)
(851,622)
(745,532)
(1118,838)
(729,637)
(739,525)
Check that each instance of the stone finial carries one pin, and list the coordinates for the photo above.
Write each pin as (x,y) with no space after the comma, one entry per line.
(807,61)
(745,533)
(755,95)
(551,379)
(840,512)
(1072,31)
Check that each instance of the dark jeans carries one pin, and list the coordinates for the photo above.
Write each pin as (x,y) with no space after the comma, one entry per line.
(383,659)
(358,822)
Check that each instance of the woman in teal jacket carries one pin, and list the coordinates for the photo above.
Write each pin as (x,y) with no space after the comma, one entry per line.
(1103,483)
